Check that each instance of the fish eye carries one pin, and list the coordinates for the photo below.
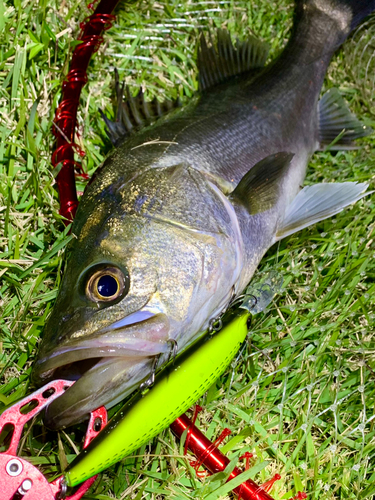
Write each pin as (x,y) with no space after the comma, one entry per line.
(107,284)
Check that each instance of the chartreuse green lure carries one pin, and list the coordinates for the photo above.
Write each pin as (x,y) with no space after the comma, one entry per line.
(179,386)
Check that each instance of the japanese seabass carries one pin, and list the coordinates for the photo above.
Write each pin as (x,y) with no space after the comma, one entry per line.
(175,222)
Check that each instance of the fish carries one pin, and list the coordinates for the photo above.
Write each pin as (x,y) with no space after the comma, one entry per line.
(173,225)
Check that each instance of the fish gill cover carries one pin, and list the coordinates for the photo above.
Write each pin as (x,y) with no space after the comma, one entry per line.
(302,393)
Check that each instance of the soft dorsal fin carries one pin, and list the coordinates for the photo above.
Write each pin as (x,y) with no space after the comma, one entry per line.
(218,64)
(134,112)
(337,121)
(258,190)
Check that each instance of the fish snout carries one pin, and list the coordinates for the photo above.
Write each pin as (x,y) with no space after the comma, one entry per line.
(106,366)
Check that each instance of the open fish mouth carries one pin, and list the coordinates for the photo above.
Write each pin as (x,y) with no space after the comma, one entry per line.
(106,367)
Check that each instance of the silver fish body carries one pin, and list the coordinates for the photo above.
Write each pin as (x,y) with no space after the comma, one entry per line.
(183,212)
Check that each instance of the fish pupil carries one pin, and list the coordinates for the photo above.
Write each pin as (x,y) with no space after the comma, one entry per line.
(107,286)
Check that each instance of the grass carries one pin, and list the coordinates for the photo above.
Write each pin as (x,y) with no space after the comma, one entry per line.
(301,395)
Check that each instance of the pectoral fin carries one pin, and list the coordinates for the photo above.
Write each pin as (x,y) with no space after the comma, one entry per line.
(318,202)
(258,190)
(338,127)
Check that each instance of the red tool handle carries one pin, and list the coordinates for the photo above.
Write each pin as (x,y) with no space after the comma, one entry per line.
(19,479)
(212,458)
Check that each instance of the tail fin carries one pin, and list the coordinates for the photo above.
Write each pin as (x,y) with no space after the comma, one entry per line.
(321,26)
(346,13)
(360,9)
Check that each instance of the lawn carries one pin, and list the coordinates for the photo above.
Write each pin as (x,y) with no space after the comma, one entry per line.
(300,396)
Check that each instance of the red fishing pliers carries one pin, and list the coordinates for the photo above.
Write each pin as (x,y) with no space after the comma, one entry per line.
(19,479)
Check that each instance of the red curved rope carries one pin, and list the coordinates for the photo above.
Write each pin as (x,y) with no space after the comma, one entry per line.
(66,114)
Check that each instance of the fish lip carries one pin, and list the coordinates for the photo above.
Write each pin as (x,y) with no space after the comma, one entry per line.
(87,394)
(97,348)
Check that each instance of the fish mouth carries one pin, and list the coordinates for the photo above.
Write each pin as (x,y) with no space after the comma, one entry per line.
(107,366)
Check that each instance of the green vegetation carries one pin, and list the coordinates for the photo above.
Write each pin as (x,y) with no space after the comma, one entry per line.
(301,394)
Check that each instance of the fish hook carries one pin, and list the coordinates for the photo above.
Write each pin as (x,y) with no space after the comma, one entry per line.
(172,350)
(149,382)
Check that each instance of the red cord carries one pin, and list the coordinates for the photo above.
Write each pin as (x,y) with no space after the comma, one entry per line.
(66,113)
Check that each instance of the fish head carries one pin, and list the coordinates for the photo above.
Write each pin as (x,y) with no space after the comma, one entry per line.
(137,277)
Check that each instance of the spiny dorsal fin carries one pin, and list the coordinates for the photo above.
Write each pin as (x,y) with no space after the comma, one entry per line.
(218,64)
(134,112)
(336,119)
(258,190)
